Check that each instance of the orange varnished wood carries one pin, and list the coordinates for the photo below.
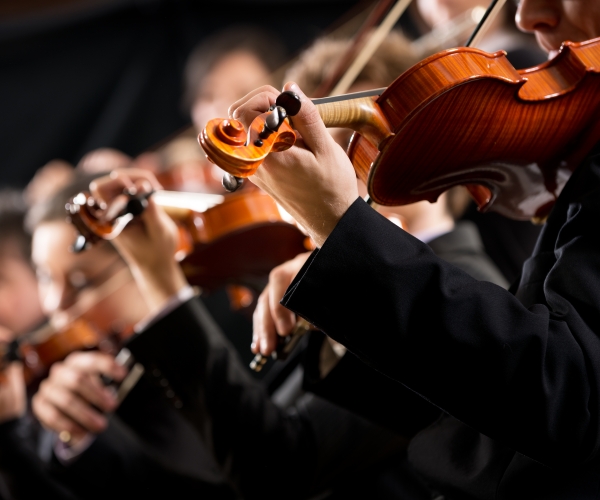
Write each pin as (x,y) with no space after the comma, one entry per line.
(224,141)
(50,345)
(237,241)
(517,134)
(467,117)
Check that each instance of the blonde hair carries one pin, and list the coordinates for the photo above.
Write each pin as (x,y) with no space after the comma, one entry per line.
(392,58)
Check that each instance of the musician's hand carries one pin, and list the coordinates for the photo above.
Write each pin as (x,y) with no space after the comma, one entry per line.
(13,399)
(270,317)
(149,244)
(314,180)
(73,397)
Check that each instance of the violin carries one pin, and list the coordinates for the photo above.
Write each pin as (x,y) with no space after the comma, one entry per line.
(459,117)
(181,166)
(235,238)
(44,347)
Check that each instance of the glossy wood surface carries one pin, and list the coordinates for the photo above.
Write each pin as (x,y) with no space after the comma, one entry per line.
(225,142)
(48,346)
(236,241)
(518,135)
(466,117)
(239,241)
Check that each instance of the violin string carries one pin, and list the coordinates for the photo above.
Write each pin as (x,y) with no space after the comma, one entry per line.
(485,23)
(358,42)
(347,97)
(480,30)
(371,46)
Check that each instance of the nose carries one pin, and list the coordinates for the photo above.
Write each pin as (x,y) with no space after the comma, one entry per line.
(537,15)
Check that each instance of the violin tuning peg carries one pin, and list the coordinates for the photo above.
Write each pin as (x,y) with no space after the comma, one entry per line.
(258,363)
(81,244)
(232,183)
(273,122)
(136,205)
(12,352)
(289,101)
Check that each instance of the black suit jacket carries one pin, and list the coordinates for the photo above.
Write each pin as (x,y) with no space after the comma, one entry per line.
(355,386)
(266,451)
(148,449)
(24,475)
(520,373)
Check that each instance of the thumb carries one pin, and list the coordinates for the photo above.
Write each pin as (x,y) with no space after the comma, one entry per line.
(308,122)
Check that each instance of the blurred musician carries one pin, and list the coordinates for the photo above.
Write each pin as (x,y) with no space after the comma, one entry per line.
(221,69)
(225,67)
(303,446)
(23,475)
(141,447)
(247,431)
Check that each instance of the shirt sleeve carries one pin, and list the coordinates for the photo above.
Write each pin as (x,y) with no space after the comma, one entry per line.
(173,303)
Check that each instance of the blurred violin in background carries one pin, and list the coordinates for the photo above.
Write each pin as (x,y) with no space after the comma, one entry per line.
(223,239)
(40,349)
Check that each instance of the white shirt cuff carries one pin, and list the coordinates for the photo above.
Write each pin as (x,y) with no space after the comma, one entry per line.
(183,295)
(66,454)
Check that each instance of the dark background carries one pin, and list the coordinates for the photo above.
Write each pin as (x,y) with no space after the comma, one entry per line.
(77,75)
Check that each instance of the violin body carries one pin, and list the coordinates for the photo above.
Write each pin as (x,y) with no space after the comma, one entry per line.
(461,117)
(49,346)
(467,117)
(238,241)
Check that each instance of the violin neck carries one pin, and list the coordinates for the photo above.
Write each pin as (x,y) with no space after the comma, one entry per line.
(362,115)
(176,201)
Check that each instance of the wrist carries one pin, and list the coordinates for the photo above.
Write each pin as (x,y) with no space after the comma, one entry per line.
(159,284)
(320,229)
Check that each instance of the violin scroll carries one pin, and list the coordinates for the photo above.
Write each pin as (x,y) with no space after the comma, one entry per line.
(226,143)
(285,345)
(91,222)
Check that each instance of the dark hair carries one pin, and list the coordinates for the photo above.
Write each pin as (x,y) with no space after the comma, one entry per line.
(251,39)
(53,209)
(12,224)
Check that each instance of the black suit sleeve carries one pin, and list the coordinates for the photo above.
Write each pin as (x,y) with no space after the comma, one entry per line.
(526,376)
(355,386)
(27,475)
(265,451)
